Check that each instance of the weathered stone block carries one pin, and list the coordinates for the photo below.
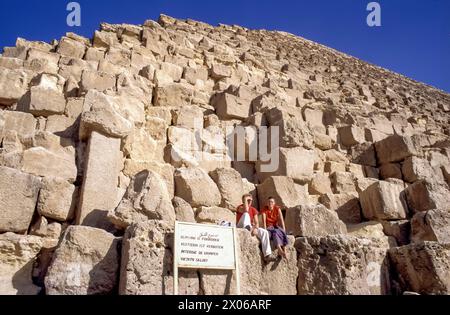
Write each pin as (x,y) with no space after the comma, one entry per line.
(99,190)
(86,262)
(432,225)
(424,195)
(146,244)
(229,106)
(44,102)
(146,198)
(351,135)
(183,210)
(347,206)
(229,182)
(214,215)
(101,113)
(395,148)
(342,182)
(320,184)
(282,189)
(18,253)
(342,265)
(313,221)
(99,81)
(18,198)
(71,48)
(44,162)
(423,268)
(57,199)
(391,170)
(383,200)
(414,169)
(13,85)
(190,185)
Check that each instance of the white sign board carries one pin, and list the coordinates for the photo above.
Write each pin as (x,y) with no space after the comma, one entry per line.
(201,246)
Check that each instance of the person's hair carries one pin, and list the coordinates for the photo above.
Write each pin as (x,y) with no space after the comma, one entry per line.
(245,196)
(271,198)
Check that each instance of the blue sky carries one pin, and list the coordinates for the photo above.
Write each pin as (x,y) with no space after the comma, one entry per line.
(414,38)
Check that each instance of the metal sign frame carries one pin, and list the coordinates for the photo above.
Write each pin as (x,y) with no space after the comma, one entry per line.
(175,256)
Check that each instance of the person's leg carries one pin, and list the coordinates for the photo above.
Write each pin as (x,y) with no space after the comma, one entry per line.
(279,242)
(245,222)
(264,237)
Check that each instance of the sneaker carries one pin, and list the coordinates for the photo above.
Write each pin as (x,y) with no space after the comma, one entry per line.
(270,258)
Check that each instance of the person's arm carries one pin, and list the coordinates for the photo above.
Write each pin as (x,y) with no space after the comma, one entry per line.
(264,221)
(256,220)
(281,219)
(240,209)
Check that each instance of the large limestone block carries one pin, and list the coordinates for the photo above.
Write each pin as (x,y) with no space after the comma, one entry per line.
(102,114)
(166,171)
(320,184)
(229,106)
(425,195)
(432,225)
(273,278)
(43,162)
(99,190)
(400,230)
(196,187)
(342,265)
(230,185)
(140,145)
(86,262)
(384,200)
(147,244)
(364,154)
(13,85)
(351,135)
(395,148)
(179,95)
(414,169)
(146,198)
(370,229)
(282,189)
(313,221)
(343,182)
(190,117)
(71,48)
(100,81)
(391,170)
(183,210)
(57,199)
(214,215)
(296,163)
(18,198)
(293,131)
(423,268)
(17,256)
(219,71)
(347,206)
(41,101)
(22,123)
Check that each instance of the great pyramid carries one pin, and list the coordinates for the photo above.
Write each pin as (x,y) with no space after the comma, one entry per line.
(105,142)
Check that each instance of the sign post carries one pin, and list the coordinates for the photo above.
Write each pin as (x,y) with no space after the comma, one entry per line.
(201,246)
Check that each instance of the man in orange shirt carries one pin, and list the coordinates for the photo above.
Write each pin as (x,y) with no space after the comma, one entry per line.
(247,218)
(273,221)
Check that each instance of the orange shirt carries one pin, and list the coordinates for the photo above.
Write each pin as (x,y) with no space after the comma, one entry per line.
(271,216)
(251,211)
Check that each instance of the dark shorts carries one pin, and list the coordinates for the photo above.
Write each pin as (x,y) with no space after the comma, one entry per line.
(278,236)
